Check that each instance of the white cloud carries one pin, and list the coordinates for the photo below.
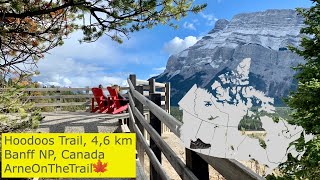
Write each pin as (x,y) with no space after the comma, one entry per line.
(177,44)
(79,65)
(159,69)
(70,73)
(91,64)
(195,21)
(67,81)
(152,75)
(211,19)
(190,26)
(103,51)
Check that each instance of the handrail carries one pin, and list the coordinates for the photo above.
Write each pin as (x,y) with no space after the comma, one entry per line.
(144,82)
(173,124)
(60,97)
(229,168)
(50,89)
(174,160)
(53,104)
(159,168)
(60,89)
(146,93)
(57,96)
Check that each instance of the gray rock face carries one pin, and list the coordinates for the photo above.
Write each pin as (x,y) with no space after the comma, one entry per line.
(220,25)
(261,36)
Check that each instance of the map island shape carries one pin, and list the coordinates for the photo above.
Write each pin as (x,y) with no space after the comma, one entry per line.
(234,120)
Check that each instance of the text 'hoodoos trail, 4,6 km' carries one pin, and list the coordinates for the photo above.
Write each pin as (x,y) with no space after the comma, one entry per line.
(68,155)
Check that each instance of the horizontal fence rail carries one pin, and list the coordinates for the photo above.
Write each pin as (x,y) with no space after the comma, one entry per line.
(174,160)
(230,168)
(148,150)
(85,95)
(60,97)
(61,89)
(166,118)
(156,84)
(39,105)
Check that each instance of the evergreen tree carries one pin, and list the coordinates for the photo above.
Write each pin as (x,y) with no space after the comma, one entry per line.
(305,102)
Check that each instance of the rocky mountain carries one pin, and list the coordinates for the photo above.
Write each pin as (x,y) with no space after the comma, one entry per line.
(261,36)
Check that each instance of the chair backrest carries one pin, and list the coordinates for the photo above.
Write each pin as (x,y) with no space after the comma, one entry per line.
(114,96)
(98,95)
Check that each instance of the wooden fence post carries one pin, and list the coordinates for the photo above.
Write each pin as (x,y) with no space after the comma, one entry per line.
(167,104)
(87,99)
(197,165)
(140,108)
(133,80)
(156,124)
(152,87)
(58,108)
(167,96)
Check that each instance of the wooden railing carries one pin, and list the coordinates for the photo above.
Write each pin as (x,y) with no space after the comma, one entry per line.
(196,166)
(86,94)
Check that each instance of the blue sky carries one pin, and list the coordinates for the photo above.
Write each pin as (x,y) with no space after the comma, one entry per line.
(146,52)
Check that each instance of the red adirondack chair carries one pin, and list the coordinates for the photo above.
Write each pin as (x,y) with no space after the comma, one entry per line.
(100,99)
(116,107)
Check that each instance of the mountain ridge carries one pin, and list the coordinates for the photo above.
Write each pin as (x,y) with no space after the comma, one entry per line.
(261,36)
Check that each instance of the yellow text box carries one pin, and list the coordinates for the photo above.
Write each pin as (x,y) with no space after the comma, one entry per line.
(77,155)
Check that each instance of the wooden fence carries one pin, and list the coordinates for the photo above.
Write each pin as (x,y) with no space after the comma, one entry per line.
(85,95)
(196,166)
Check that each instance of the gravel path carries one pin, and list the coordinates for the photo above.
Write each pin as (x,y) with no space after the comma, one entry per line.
(175,143)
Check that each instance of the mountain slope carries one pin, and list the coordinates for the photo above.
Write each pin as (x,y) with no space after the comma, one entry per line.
(261,36)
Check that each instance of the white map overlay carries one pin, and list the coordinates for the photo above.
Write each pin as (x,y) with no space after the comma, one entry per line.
(215,121)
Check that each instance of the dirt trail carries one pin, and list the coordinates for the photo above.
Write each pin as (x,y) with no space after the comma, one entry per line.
(175,143)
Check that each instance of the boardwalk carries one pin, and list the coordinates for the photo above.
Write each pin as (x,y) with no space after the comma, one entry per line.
(82,122)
